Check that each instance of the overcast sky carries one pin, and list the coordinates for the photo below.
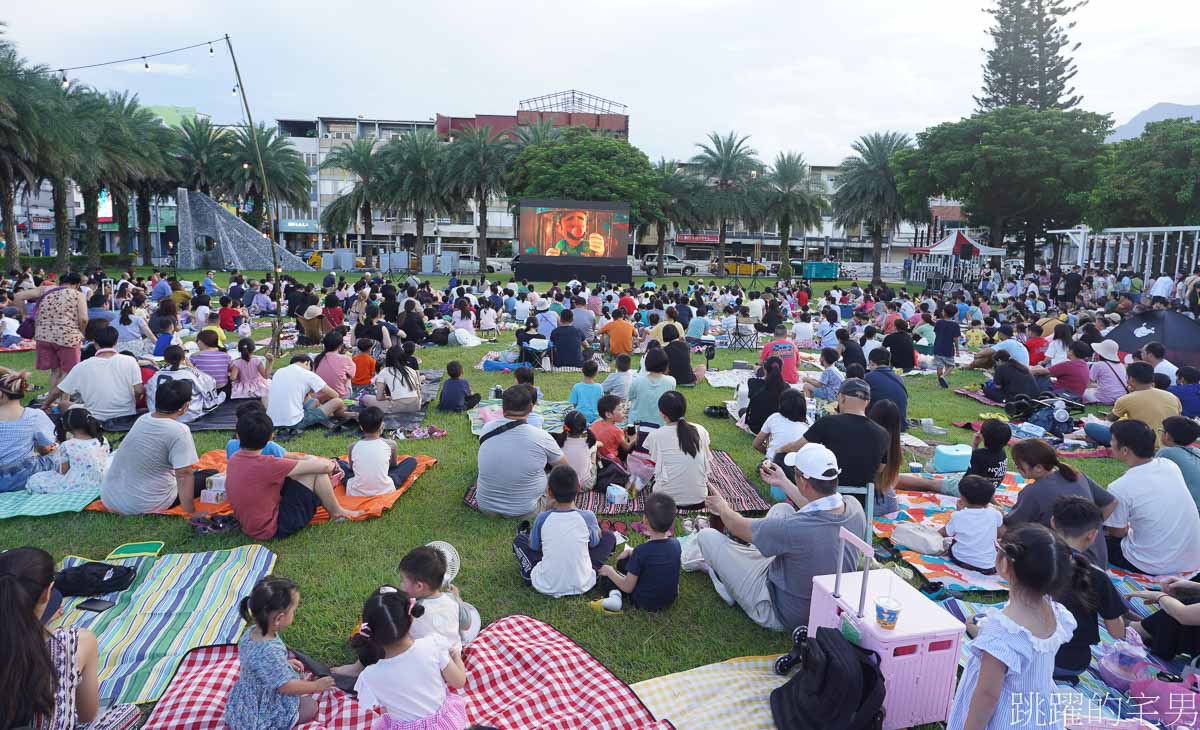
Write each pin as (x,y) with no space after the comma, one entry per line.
(807,76)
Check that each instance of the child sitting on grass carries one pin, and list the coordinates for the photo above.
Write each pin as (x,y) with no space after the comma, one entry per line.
(586,394)
(268,692)
(364,364)
(618,383)
(612,442)
(371,459)
(524,376)
(974,526)
(405,676)
(81,461)
(560,553)
(989,459)
(649,573)
(423,576)
(826,386)
(579,448)
(975,335)
(456,391)
(1078,519)
(233,444)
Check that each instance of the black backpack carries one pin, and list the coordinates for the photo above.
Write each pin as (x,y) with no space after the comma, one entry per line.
(94,579)
(838,687)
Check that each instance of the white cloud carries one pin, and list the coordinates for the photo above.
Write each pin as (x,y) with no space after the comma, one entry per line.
(806,76)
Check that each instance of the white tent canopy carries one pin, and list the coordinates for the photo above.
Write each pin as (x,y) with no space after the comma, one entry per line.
(953,245)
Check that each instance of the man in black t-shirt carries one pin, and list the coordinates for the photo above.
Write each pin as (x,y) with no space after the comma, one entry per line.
(860,444)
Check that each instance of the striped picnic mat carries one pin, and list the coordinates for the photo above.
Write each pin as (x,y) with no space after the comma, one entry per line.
(28,504)
(177,602)
(551,411)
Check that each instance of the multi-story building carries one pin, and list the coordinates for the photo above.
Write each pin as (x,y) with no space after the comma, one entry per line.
(315,139)
(458,230)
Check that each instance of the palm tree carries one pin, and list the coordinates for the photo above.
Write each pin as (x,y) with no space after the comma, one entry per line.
(866,190)
(416,178)
(140,129)
(365,164)
(729,166)
(22,114)
(286,174)
(476,168)
(202,150)
(60,157)
(535,132)
(678,195)
(793,198)
(161,186)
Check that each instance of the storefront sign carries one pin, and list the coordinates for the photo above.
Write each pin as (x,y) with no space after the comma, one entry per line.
(697,238)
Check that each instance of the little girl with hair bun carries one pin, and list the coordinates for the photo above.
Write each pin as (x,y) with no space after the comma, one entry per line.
(407,678)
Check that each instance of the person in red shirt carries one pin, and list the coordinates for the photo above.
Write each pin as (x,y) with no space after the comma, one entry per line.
(333,313)
(228,316)
(783,348)
(275,497)
(1036,344)
(628,303)
(611,442)
(802,298)
(1071,377)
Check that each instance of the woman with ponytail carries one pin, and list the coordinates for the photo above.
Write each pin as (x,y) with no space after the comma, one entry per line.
(679,451)
(397,386)
(27,435)
(334,366)
(1048,480)
(133,334)
(406,678)
(269,693)
(1011,664)
(49,677)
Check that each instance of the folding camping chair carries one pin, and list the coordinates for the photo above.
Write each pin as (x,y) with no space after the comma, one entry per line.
(744,336)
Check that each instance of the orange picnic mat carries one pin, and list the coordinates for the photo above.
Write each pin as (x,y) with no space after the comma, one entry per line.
(370,506)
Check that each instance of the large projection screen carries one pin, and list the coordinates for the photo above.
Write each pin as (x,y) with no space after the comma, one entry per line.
(574,228)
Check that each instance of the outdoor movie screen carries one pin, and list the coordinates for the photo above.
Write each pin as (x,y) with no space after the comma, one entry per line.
(574,228)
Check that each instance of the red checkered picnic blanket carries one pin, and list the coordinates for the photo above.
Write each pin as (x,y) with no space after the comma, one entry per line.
(196,698)
(522,673)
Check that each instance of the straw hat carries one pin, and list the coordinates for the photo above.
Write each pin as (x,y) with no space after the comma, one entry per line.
(312,312)
(1107,350)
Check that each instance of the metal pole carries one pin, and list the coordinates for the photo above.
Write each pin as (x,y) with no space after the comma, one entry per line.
(277,322)
(1162,259)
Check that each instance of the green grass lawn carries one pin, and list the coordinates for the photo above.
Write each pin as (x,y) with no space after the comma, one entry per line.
(338,565)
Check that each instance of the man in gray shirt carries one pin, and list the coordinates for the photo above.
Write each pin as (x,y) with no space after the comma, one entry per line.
(513,456)
(152,469)
(585,319)
(771,579)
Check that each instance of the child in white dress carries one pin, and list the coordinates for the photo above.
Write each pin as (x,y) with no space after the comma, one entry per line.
(407,678)
(82,459)
(1008,681)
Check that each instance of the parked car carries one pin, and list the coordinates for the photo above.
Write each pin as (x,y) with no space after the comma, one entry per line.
(469,264)
(670,265)
(797,266)
(737,268)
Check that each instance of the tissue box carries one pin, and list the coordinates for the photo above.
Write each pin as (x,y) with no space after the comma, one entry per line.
(212,496)
(616,494)
(952,457)
(216,482)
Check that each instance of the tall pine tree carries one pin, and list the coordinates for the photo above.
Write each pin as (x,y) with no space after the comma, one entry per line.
(1028,64)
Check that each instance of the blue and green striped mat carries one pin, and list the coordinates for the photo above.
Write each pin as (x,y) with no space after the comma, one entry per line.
(177,602)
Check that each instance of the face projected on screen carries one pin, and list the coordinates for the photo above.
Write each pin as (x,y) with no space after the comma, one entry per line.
(574,240)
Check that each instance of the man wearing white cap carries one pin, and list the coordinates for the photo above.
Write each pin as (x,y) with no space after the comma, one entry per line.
(771,578)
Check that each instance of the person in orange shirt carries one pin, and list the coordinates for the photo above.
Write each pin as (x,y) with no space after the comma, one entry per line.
(618,334)
(364,364)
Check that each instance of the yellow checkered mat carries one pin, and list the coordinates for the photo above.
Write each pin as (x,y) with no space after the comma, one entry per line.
(733,694)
